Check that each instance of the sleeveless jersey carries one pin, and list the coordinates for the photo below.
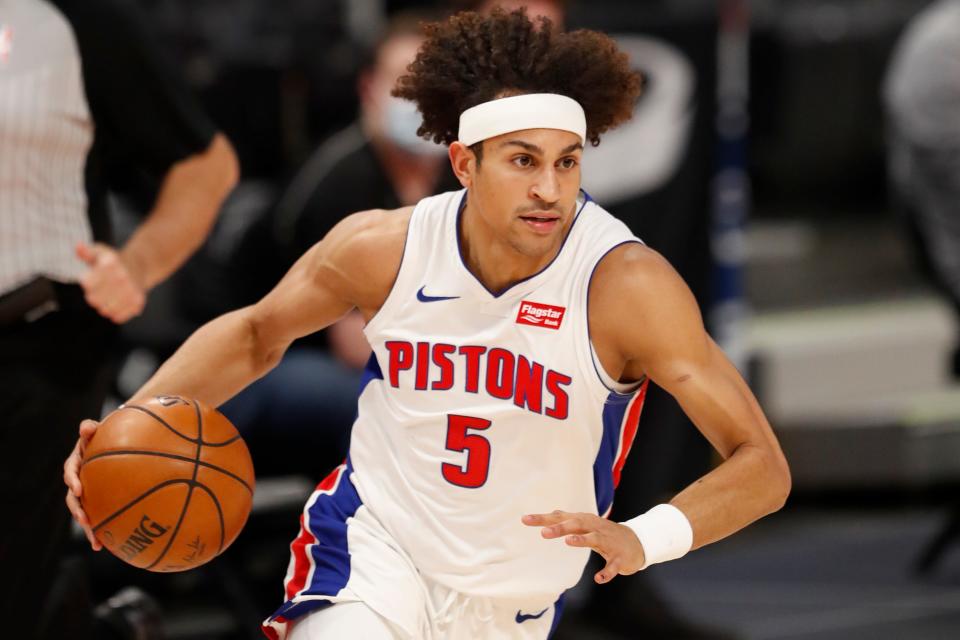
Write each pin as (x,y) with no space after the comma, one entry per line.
(479,408)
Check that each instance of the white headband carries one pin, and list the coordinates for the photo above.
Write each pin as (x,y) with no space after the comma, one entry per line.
(529,111)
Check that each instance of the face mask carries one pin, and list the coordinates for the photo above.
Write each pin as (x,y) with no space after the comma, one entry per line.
(401,123)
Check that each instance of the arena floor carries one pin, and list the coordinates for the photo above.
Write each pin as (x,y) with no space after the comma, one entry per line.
(806,573)
(823,574)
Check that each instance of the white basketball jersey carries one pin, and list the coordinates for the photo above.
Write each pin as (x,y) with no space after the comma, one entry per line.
(480,407)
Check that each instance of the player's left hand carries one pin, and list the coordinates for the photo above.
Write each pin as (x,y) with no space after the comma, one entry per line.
(110,285)
(617,543)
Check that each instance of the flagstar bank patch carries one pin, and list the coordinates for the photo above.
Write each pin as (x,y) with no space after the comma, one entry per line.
(537,314)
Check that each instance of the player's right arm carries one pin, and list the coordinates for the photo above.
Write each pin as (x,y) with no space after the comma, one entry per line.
(354,266)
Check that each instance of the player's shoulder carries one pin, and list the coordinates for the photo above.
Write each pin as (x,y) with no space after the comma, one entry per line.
(640,306)
(373,230)
(374,224)
(368,240)
(361,255)
(632,264)
(385,229)
(633,276)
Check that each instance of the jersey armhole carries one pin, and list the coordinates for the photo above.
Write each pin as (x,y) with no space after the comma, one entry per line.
(373,325)
(613,386)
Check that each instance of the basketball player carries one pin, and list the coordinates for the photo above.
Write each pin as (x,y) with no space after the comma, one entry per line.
(515,327)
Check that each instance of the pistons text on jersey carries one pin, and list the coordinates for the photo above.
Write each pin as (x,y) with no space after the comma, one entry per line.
(508,376)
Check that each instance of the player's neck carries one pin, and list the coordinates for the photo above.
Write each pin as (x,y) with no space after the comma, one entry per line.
(496,263)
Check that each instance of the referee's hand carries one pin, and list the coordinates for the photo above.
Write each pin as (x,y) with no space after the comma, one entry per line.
(109,285)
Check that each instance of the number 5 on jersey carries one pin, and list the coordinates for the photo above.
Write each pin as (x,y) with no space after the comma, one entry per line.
(474,473)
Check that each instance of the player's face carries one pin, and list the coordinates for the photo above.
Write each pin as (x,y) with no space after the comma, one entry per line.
(526,186)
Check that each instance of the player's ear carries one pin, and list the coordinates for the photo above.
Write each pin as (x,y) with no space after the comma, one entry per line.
(464,163)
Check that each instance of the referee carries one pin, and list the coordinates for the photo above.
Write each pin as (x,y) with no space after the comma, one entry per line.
(86,100)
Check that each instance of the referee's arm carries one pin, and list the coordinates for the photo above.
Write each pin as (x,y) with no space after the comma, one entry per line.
(186,207)
(183,214)
(147,119)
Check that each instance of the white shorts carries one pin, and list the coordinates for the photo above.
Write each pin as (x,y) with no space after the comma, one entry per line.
(344,555)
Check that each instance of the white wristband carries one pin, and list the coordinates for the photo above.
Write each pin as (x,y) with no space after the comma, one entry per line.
(664,532)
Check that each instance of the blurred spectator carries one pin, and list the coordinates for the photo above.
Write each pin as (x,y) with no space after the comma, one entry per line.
(376,162)
(922,96)
(85,100)
(380,152)
(662,194)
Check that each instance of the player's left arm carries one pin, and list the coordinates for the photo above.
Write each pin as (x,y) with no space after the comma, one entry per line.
(645,321)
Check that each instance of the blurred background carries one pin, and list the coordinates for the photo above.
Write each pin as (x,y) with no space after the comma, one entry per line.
(775,158)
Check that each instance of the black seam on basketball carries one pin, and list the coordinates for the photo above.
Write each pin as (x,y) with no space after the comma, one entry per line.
(176,529)
(168,426)
(158,419)
(196,468)
(221,444)
(193,484)
(216,503)
(133,502)
(172,456)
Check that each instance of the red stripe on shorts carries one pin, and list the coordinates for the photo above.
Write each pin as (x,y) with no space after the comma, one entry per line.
(298,548)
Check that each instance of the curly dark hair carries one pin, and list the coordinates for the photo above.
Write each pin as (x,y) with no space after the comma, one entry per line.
(471,58)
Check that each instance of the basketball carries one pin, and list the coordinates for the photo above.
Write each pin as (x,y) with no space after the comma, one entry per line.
(167,483)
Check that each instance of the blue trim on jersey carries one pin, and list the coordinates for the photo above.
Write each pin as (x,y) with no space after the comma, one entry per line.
(326,520)
(460,208)
(614,410)
(371,372)
(557,612)
(586,306)
(293,610)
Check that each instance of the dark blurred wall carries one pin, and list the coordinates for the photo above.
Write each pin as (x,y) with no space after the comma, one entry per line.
(817,140)
(276,76)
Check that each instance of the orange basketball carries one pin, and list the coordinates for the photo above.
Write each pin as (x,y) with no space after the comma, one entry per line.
(167,483)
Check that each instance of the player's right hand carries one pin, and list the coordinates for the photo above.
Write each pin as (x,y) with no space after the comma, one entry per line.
(71,477)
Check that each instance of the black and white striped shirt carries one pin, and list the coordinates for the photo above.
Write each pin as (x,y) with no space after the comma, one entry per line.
(85,95)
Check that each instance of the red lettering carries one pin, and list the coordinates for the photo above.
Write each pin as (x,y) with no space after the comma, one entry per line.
(508,376)
(477,448)
(401,359)
(500,374)
(441,360)
(529,385)
(473,354)
(423,365)
(561,403)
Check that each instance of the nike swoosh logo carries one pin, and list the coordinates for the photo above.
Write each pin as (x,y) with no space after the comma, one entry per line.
(523,617)
(422,297)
